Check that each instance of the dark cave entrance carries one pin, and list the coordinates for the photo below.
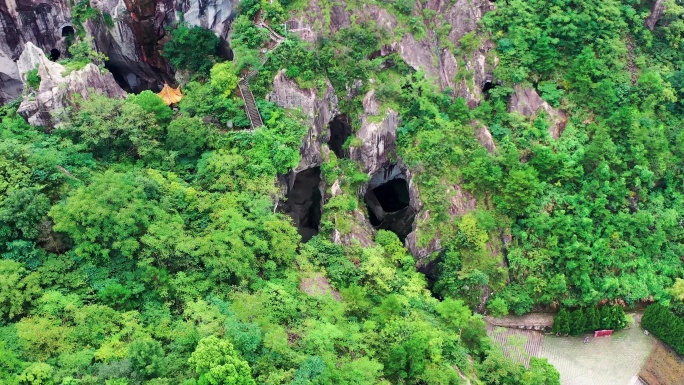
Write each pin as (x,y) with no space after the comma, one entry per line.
(224,50)
(340,131)
(393,195)
(388,201)
(54,54)
(487,87)
(304,202)
(68,31)
(120,78)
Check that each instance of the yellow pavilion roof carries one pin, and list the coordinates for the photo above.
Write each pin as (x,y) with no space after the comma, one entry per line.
(170,95)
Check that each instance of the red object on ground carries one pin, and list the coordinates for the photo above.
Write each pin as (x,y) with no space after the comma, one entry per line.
(602,333)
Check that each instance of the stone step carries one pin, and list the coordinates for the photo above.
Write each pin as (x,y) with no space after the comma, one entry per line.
(251,108)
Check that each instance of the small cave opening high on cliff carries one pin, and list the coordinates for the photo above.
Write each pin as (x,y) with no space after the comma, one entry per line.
(54,54)
(488,86)
(67,30)
(388,201)
(340,131)
(303,202)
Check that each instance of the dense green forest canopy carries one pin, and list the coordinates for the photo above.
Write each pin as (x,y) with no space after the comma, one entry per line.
(140,244)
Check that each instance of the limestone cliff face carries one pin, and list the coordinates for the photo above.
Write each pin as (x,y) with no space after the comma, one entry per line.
(56,92)
(440,62)
(133,43)
(377,137)
(23,21)
(429,54)
(319,108)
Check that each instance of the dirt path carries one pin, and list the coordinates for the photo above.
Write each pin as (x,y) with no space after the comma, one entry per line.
(536,321)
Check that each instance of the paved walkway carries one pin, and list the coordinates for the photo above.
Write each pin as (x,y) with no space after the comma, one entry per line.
(612,360)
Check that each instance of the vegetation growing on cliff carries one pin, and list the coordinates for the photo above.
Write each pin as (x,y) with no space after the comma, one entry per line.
(139,244)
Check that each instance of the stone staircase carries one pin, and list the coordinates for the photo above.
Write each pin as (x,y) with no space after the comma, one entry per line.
(275,36)
(250,104)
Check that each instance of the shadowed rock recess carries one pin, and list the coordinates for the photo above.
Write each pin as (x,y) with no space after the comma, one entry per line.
(340,130)
(388,201)
(303,202)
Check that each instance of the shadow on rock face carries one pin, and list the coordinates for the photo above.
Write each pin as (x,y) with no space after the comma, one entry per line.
(340,130)
(54,54)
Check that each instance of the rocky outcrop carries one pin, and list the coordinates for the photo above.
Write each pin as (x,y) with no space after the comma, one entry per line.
(484,136)
(22,21)
(360,231)
(429,54)
(318,109)
(377,137)
(463,17)
(57,91)
(317,285)
(527,102)
(461,203)
(134,43)
(657,12)
(10,81)
(133,40)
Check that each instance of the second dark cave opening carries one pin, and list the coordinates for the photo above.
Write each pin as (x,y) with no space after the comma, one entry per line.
(303,202)
(388,200)
(340,130)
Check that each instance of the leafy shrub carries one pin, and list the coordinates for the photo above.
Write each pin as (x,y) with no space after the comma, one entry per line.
(109,21)
(497,307)
(293,71)
(551,93)
(192,49)
(32,78)
(83,53)
(223,78)
(660,321)
(151,102)
(588,320)
(404,6)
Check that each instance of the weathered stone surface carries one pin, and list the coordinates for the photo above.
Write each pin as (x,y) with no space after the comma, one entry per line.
(319,110)
(377,138)
(317,285)
(133,44)
(361,231)
(484,136)
(527,102)
(461,203)
(10,83)
(428,54)
(57,91)
(656,13)
(24,21)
